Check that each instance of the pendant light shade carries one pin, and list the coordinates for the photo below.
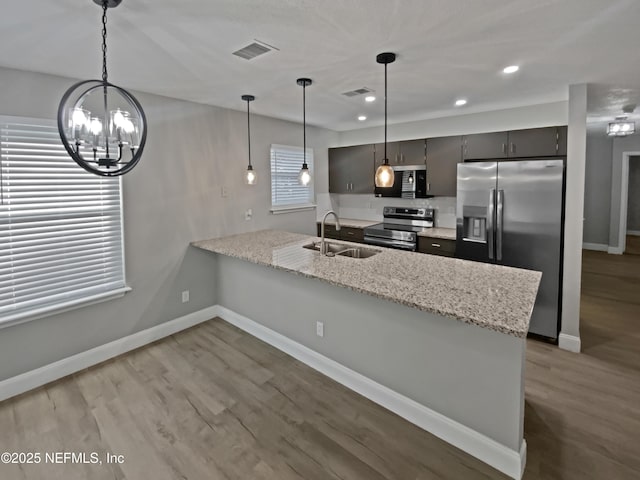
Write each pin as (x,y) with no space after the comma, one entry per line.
(384,173)
(102,126)
(250,177)
(304,177)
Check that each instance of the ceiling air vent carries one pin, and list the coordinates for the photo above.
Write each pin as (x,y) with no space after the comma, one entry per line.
(357,91)
(252,51)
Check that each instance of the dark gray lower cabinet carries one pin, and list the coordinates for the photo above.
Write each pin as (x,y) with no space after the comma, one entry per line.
(437,246)
(351,169)
(443,156)
(349,234)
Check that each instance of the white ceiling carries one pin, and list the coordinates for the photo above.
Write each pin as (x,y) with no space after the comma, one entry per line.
(446,50)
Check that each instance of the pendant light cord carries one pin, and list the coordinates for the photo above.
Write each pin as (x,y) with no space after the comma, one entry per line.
(104,41)
(249,131)
(105,124)
(304,124)
(386,159)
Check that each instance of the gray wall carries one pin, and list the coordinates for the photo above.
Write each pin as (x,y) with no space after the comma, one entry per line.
(633,209)
(597,187)
(170,199)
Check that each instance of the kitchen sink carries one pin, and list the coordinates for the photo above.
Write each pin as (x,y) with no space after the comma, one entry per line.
(342,250)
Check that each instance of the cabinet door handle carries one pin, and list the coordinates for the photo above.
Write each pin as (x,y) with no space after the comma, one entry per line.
(437,245)
(504,148)
(350,233)
(428,186)
(513,148)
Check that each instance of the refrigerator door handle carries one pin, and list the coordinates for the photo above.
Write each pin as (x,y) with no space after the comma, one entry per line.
(490,217)
(499,224)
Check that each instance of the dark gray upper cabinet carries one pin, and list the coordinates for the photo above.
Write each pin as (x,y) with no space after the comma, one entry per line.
(351,169)
(407,152)
(485,145)
(443,156)
(531,142)
(412,152)
(393,153)
(562,141)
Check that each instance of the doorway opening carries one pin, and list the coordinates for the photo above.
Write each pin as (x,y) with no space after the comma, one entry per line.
(632,230)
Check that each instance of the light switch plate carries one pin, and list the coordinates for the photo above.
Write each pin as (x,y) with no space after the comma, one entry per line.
(185,296)
(320,329)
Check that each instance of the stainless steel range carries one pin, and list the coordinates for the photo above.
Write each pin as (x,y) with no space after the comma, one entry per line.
(400,227)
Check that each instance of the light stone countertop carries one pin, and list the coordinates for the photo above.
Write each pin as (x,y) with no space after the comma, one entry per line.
(439,232)
(490,296)
(351,222)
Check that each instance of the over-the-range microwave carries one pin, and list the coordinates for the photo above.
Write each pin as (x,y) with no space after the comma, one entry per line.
(409,181)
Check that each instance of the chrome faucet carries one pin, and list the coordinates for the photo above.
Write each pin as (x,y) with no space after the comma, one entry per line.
(323,247)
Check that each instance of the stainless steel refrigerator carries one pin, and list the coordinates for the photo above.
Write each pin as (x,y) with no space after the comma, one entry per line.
(511,213)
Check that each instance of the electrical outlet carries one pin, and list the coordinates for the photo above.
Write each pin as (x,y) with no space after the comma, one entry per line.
(248,214)
(224,192)
(185,296)
(320,329)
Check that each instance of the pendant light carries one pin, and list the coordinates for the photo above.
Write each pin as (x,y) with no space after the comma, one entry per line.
(102,126)
(250,177)
(304,178)
(384,173)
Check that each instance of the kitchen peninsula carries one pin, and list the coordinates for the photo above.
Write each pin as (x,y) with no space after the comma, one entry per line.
(438,340)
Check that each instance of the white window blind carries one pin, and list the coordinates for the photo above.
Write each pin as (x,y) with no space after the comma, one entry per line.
(286,163)
(60,226)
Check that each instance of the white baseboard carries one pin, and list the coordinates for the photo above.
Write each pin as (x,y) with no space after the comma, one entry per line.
(569,342)
(500,457)
(615,250)
(41,376)
(635,233)
(599,247)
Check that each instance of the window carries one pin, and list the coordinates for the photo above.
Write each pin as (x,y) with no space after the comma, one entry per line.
(60,226)
(286,192)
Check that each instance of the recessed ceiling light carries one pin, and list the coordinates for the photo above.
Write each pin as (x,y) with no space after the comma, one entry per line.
(362,118)
(461,102)
(369,98)
(511,69)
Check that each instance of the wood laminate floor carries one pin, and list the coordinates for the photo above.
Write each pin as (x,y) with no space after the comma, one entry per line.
(633,245)
(215,403)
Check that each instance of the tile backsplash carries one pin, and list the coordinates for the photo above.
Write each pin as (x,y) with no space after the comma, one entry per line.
(369,207)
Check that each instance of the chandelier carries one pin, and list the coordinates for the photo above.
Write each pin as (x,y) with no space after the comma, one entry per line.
(101,125)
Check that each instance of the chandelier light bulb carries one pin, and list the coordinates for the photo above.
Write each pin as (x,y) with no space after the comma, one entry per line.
(96,126)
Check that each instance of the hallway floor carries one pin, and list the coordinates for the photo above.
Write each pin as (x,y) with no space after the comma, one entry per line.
(582,418)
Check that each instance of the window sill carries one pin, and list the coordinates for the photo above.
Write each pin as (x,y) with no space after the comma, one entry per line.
(23,317)
(292,208)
